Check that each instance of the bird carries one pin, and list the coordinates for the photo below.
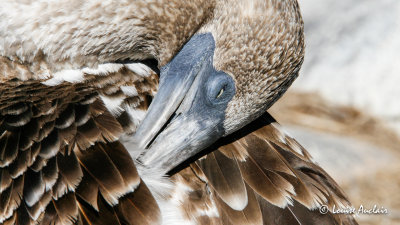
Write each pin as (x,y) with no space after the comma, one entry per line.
(187,83)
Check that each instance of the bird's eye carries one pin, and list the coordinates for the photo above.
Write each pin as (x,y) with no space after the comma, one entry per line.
(220,93)
(220,88)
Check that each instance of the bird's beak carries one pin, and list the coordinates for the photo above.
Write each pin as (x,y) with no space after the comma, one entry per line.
(180,122)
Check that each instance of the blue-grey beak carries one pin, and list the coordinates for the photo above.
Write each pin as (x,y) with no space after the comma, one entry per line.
(188,112)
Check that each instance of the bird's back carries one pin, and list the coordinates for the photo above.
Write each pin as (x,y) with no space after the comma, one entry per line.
(60,158)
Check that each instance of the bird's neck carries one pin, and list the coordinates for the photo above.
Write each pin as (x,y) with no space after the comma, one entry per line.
(76,34)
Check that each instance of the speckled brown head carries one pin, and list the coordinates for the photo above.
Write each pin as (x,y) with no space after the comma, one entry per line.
(234,68)
(260,44)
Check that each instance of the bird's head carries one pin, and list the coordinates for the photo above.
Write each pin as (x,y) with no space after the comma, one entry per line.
(232,70)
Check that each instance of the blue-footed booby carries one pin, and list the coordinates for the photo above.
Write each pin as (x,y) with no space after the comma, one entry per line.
(187,82)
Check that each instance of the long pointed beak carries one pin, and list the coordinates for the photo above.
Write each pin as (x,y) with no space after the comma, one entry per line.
(172,90)
(173,129)
(187,114)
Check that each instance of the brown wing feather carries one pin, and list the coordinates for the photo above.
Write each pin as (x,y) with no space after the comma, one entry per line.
(60,162)
(283,184)
(224,176)
(87,215)
(114,193)
(251,214)
(140,207)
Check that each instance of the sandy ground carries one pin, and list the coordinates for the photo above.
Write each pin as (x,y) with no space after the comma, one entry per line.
(352,54)
(344,106)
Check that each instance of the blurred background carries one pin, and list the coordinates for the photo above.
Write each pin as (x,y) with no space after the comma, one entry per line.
(345,108)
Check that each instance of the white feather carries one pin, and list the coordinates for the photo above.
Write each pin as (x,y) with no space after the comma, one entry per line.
(113,104)
(72,76)
(166,194)
(103,69)
(139,68)
(129,90)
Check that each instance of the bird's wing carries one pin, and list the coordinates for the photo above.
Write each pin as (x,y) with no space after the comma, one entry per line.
(259,175)
(60,158)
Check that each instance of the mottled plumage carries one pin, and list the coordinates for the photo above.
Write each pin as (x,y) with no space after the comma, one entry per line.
(77,78)
(272,180)
(60,157)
